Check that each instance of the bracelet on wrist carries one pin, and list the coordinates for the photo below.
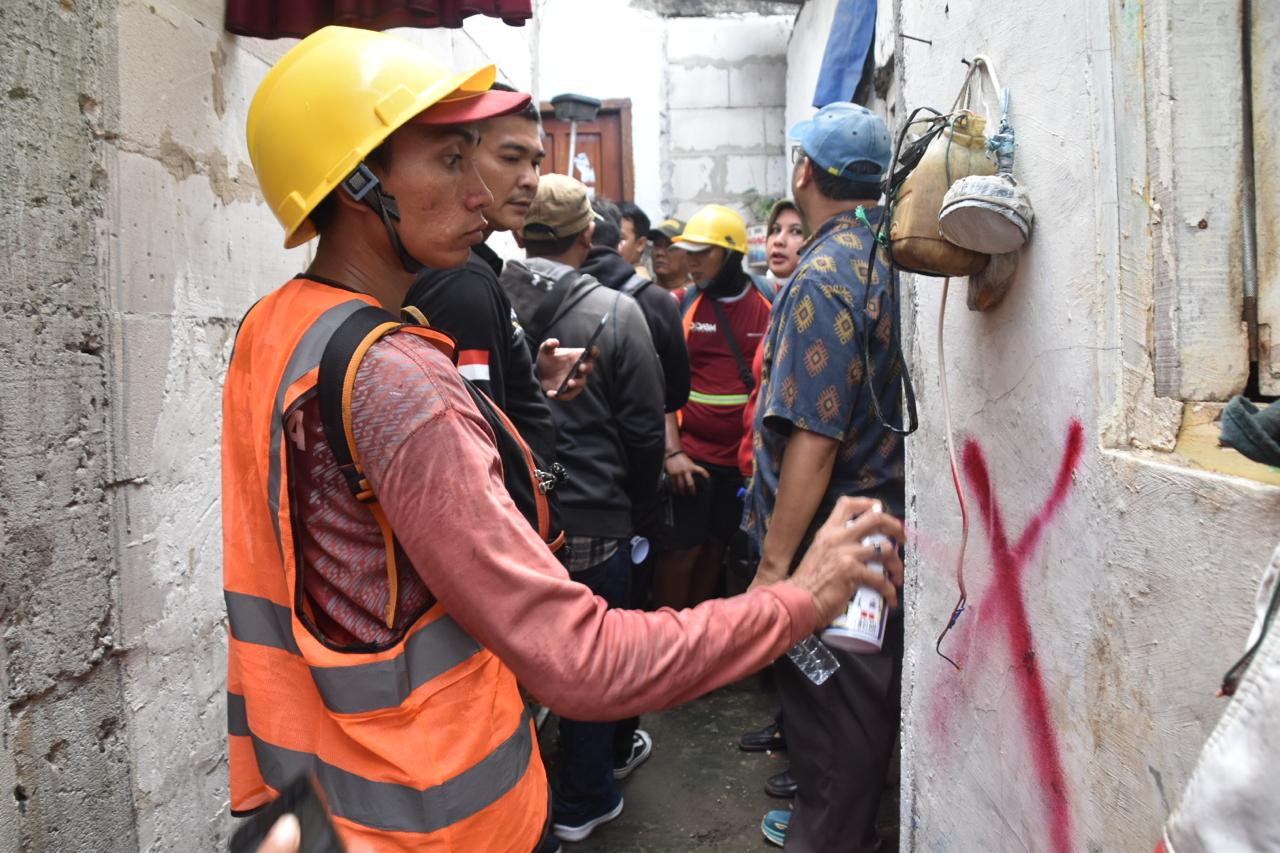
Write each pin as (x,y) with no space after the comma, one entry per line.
(675,453)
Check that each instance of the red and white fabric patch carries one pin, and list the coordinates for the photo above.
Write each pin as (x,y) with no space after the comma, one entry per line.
(474,364)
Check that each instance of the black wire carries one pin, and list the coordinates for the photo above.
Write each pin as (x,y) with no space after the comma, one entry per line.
(897,174)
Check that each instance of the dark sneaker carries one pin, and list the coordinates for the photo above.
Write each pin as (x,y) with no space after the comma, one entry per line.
(578,829)
(641,746)
(774,826)
(770,738)
(781,785)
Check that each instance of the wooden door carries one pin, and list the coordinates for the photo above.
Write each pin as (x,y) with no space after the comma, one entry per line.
(604,148)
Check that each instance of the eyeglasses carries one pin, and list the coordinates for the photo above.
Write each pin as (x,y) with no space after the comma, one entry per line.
(797,154)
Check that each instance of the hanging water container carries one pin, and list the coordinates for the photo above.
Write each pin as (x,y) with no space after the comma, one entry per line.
(915,241)
(989,213)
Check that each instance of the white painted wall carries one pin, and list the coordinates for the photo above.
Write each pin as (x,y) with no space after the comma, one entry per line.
(805,47)
(1138,595)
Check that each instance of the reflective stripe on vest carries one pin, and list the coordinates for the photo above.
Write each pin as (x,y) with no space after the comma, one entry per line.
(435,649)
(422,744)
(386,805)
(718,399)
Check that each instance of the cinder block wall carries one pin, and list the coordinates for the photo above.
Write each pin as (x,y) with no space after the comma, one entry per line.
(726,99)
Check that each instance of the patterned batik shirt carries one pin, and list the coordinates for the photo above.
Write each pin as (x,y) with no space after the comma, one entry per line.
(814,377)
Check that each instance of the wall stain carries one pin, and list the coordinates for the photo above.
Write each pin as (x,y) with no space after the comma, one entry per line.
(180,162)
(219,57)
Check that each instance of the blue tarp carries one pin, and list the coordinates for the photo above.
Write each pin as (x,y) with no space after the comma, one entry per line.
(852,33)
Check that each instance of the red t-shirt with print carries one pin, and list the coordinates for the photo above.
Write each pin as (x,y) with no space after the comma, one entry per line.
(711,423)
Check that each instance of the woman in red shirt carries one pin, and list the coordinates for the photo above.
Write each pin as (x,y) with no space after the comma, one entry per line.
(787,233)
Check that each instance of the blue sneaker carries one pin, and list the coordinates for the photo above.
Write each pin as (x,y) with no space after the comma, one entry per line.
(774,826)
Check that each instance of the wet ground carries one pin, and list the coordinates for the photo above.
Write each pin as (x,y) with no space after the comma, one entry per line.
(698,791)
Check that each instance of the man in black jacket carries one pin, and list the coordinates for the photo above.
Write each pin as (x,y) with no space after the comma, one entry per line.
(611,440)
(661,312)
(470,305)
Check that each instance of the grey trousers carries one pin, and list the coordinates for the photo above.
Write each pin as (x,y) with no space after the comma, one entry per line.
(840,739)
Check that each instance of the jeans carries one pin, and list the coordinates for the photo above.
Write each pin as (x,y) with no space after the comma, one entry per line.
(624,730)
(584,785)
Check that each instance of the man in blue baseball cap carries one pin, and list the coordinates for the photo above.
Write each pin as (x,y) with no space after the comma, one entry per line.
(817,437)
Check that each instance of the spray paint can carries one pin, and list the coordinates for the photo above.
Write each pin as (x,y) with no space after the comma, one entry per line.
(860,628)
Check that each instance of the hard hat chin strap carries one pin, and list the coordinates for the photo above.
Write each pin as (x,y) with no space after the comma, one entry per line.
(363,185)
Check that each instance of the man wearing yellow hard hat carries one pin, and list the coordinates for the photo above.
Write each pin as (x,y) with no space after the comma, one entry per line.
(725,315)
(383,591)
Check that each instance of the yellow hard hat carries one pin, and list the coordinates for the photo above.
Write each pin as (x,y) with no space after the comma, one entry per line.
(714,225)
(336,96)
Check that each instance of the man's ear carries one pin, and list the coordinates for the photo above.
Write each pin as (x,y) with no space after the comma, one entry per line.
(643,243)
(585,237)
(804,173)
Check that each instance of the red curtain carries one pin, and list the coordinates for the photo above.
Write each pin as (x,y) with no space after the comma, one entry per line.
(298,18)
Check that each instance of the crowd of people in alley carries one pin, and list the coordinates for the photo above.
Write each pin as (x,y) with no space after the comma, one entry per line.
(604,478)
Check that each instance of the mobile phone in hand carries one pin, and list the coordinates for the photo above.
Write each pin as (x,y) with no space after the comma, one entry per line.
(586,352)
(300,798)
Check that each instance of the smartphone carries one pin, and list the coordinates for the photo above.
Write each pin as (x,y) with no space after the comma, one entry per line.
(301,798)
(586,351)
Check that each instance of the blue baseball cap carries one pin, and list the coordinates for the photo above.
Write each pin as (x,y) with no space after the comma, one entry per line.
(848,141)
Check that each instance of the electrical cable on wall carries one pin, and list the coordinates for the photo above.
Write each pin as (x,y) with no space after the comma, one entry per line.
(963,600)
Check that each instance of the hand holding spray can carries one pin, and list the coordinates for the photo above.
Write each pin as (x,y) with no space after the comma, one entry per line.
(860,628)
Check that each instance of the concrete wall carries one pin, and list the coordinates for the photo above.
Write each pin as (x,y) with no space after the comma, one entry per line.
(64,774)
(1091,656)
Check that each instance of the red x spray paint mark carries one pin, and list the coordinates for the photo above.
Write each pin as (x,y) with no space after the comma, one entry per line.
(1004,605)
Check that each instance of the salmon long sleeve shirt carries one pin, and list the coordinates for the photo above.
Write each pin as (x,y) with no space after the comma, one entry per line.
(431,459)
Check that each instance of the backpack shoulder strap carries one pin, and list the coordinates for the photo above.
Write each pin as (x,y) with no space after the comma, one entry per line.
(413,314)
(546,315)
(635,284)
(335,385)
(726,329)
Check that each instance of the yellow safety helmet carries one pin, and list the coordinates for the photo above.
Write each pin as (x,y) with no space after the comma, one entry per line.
(335,97)
(714,225)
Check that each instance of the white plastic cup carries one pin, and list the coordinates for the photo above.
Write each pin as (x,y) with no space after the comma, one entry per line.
(639,549)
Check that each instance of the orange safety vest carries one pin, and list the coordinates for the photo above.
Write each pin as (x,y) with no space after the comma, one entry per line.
(424,745)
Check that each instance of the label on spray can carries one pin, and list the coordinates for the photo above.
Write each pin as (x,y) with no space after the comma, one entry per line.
(860,628)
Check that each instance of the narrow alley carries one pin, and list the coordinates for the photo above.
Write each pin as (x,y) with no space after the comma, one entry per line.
(886,389)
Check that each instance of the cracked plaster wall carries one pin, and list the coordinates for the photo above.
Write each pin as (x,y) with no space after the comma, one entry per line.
(1139,595)
(191,249)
